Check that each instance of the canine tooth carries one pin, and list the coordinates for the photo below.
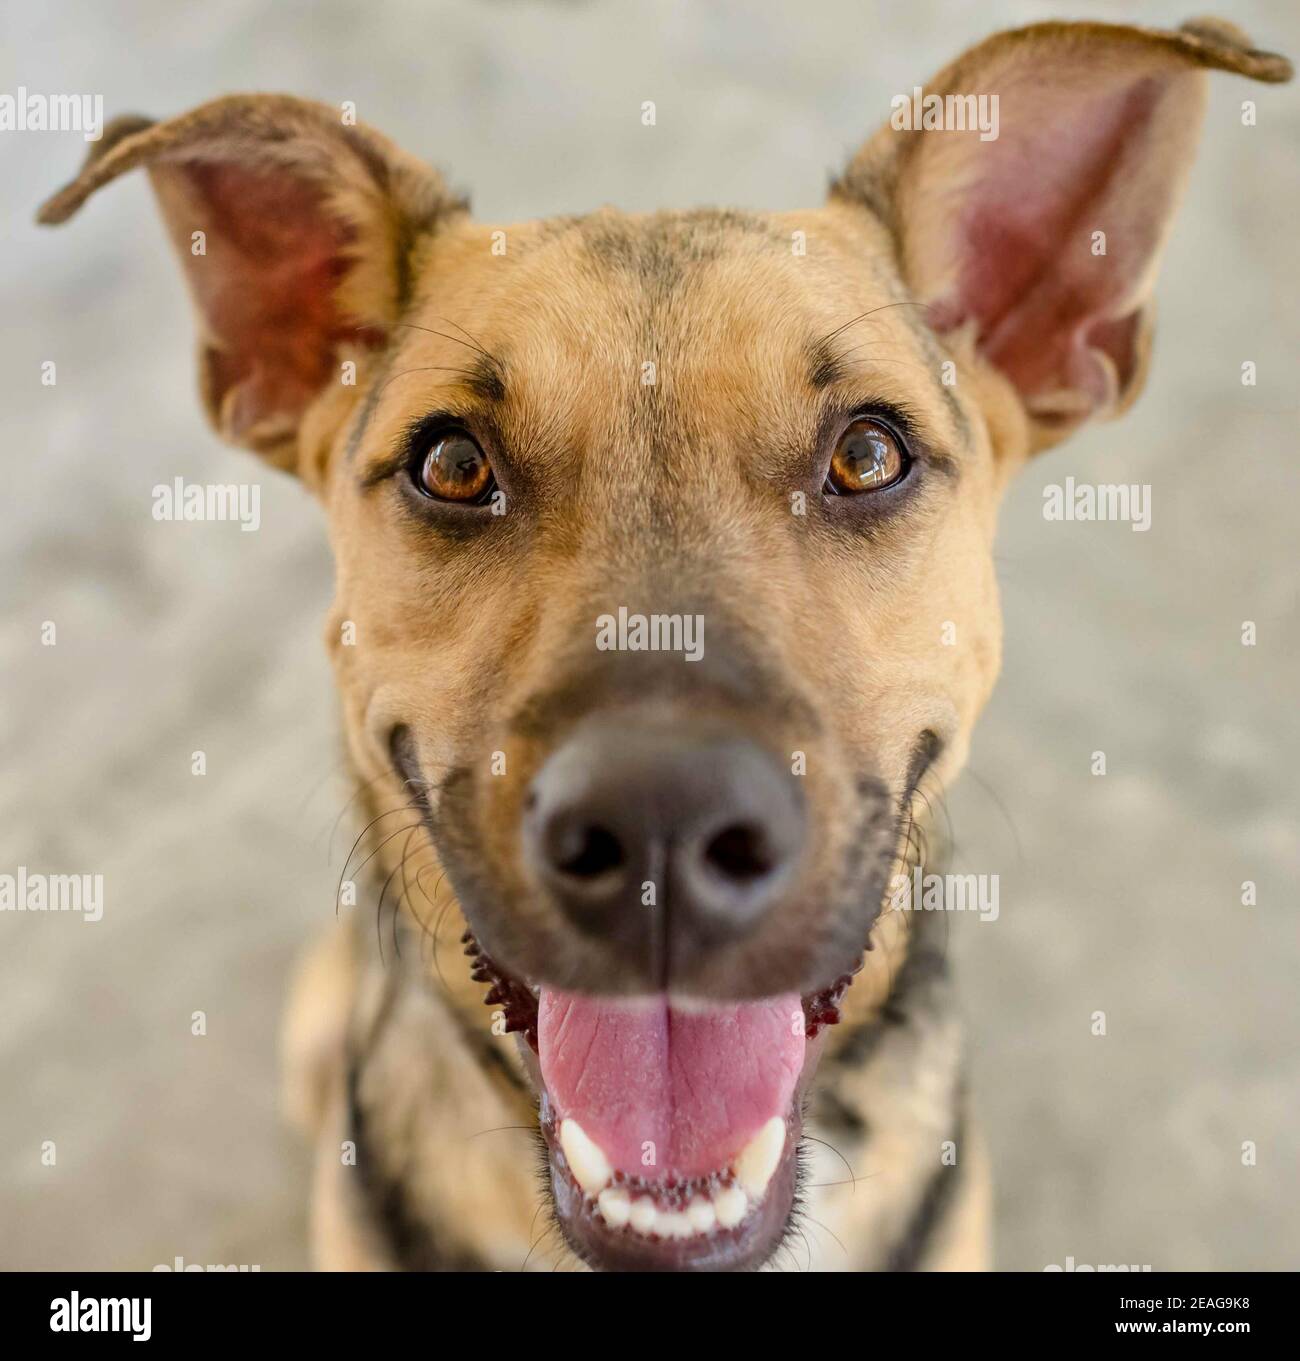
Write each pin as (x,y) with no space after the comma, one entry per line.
(759,1157)
(586,1160)
(731,1206)
(615,1206)
(701,1214)
(644,1215)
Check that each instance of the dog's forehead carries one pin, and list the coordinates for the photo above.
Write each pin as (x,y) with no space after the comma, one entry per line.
(723,315)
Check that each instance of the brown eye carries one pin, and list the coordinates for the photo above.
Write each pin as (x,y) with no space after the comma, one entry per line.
(868,457)
(455,469)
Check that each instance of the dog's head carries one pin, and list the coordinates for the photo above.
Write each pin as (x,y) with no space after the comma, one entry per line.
(664,545)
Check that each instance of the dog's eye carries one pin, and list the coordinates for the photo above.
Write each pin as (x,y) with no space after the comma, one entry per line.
(454,469)
(868,457)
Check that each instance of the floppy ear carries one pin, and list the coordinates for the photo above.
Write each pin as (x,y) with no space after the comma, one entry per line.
(1039,244)
(294,231)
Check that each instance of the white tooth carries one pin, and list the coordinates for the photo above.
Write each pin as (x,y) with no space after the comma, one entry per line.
(615,1206)
(673,1225)
(731,1206)
(701,1214)
(759,1157)
(644,1215)
(588,1164)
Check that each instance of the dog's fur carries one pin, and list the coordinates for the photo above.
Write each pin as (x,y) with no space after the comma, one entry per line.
(327,254)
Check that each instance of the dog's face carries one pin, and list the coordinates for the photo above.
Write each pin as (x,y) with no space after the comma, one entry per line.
(664,551)
(790,482)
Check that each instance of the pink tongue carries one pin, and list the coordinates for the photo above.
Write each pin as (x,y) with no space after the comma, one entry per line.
(696,1084)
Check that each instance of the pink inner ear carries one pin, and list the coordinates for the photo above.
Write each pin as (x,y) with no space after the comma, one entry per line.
(267,291)
(1046,306)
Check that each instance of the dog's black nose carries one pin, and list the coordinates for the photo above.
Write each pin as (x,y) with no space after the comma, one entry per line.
(659,838)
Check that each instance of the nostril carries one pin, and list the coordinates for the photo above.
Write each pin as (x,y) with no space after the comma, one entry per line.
(740,853)
(588,852)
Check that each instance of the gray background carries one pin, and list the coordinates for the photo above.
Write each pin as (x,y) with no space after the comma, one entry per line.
(1119,894)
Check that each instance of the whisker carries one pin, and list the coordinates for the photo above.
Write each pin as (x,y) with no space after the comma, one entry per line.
(400,899)
(331,769)
(405,808)
(429,368)
(379,910)
(1002,808)
(826,1144)
(826,1230)
(542,1237)
(436,937)
(361,788)
(823,1185)
(474,340)
(871,312)
(344,874)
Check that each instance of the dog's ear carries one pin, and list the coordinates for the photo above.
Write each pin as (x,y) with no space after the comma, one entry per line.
(295,231)
(1037,238)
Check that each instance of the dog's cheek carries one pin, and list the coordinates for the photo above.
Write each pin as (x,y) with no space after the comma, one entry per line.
(322,433)
(502,778)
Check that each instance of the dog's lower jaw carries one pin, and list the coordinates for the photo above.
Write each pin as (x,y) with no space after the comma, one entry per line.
(630,1227)
(617,1206)
(439,1129)
(732,1219)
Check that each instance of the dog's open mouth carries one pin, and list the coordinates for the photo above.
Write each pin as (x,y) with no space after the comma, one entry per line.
(672,1128)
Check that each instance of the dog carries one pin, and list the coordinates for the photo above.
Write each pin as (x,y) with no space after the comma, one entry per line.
(665,601)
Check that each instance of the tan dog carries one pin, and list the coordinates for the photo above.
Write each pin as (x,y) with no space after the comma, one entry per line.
(665,577)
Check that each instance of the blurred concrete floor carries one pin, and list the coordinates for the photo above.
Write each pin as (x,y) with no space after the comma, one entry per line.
(1118,894)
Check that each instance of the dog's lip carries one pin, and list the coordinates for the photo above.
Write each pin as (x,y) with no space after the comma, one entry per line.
(517,995)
